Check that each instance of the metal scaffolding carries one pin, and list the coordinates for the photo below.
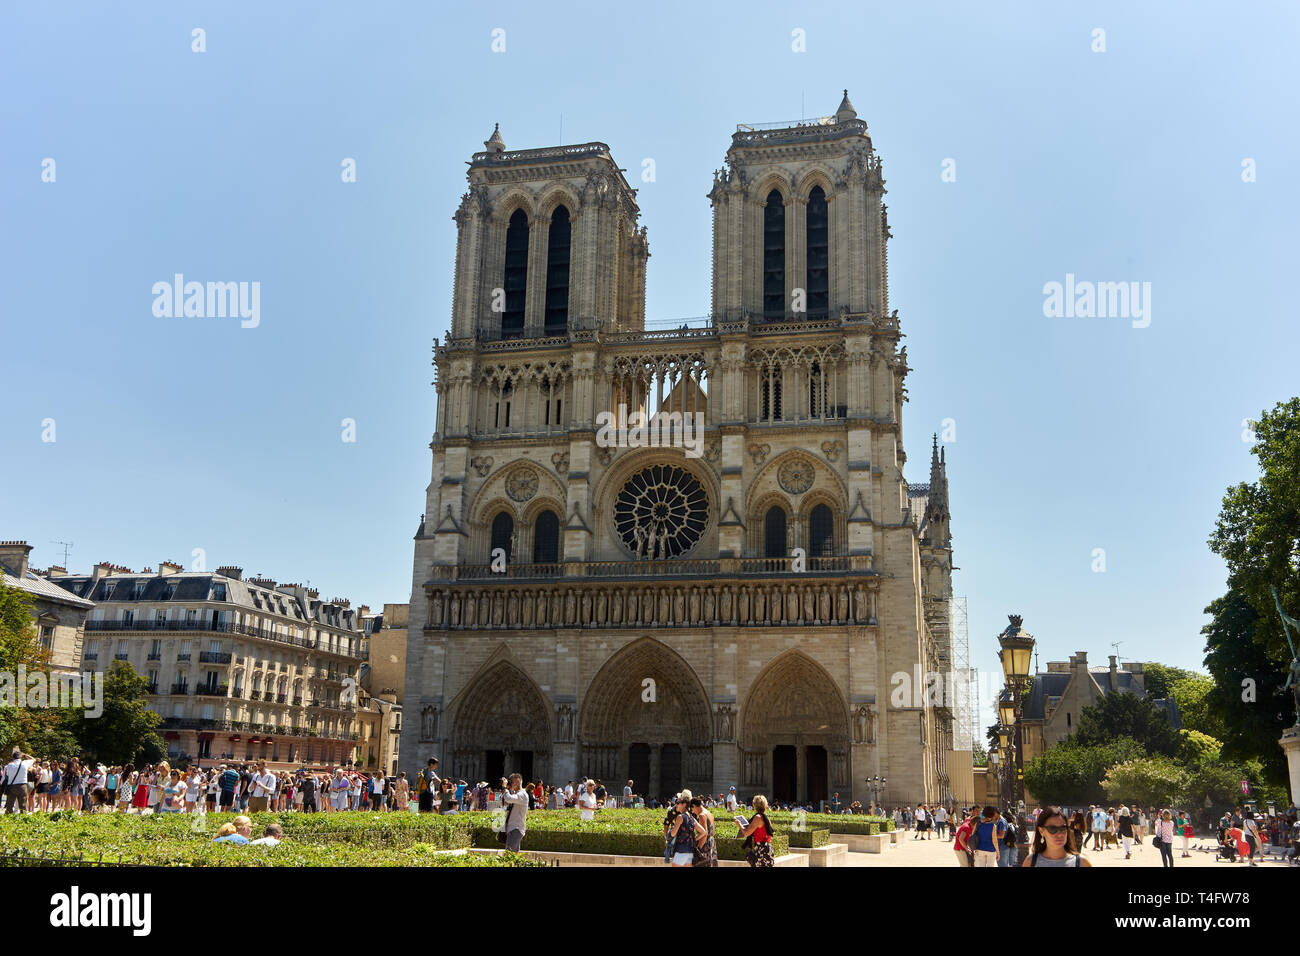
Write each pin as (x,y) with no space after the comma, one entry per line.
(966,732)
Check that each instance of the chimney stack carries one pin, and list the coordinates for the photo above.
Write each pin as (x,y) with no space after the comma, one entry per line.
(13,555)
(56,571)
(230,571)
(1114,672)
(169,567)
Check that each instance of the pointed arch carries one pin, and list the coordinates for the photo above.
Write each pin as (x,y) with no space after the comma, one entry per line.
(501,711)
(774,305)
(558,250)
(671,716)
(514,277)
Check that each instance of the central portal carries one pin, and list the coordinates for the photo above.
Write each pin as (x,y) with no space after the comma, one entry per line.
(785,774)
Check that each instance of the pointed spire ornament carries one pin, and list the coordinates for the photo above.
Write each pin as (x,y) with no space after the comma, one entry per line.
(494,143)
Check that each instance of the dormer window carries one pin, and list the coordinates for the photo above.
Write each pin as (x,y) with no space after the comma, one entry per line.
(218,592)
(137,590)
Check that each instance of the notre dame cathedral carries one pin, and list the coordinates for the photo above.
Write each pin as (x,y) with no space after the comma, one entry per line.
(792,570)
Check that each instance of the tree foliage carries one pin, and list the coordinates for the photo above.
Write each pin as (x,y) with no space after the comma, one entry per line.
(1128,715)
(1071,773)
(1146,781)
(127,726)
(1246,695)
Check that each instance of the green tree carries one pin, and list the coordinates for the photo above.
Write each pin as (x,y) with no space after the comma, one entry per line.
(1258,534)
(40,731)
(1246,695)
(1198,746)
(127,726)
(1159,679)
(1072,774)
(979,756)
(1128,715)
(1147,781)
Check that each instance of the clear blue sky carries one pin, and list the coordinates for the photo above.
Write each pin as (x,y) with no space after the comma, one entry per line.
(1072,434)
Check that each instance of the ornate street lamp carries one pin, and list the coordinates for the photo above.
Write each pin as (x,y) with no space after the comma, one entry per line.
(1006,709)
(1016,654)
(877,785)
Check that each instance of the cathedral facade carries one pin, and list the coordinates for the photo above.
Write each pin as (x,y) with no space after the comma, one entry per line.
(755,607)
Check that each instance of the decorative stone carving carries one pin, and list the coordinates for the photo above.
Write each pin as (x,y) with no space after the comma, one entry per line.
(521,483)
(713,451)
(832,449)
(561,462)
(564,715)
(605,455)
(661,512)
(429,723)
(864,725)
(796,476)
(482,464)
(723,718)
(759,453)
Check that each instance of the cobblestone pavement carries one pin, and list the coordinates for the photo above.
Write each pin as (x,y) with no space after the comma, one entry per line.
(934,852)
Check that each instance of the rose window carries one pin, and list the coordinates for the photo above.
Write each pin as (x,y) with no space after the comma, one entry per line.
(661,512)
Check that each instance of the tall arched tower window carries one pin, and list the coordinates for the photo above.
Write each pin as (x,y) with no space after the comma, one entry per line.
(774,533)
(774,256)
(503,529)
(515,279)
(818,250)
(821,532)
(557,272)
(546,538)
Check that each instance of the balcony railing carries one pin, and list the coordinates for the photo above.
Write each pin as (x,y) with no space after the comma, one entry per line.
(155,655)
(214,657)
(280,698)
(153,688)
(180,688)
(264,633)
(122,656)
(182,657)
(297,701)
(205,690)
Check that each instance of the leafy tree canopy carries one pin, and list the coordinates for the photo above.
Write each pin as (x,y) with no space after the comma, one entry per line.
(1128,715)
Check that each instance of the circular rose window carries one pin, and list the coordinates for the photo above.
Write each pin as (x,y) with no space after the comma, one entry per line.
(661,512)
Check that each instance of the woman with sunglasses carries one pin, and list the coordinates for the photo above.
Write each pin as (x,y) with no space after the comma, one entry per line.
(1054,842)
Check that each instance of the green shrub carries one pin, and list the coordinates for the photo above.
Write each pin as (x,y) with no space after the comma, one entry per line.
(809,838)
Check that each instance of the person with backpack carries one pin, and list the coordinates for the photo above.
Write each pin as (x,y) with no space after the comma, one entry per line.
(989,833)
(228,783)
(516,822)
(426,785)
(1007,849)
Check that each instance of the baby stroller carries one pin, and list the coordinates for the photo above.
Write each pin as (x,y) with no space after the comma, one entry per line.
(1226,852)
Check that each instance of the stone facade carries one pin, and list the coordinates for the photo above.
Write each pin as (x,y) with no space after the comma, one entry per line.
(733,613)
(59,617)
(239,669)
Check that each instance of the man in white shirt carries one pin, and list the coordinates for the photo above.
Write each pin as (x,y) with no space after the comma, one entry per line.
(515,799)
(940,820)
(568,794)
(263,784)
(588,802)
(732,803)
(15,782)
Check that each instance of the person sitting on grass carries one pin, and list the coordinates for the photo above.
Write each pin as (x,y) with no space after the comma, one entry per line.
(237,831)
(271,836)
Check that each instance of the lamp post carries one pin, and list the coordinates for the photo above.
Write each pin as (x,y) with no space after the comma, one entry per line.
(1016,654)
(877,785)
(995,761)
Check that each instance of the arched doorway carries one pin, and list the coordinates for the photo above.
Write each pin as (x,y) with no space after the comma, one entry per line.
(645,717)
(502,726)
(794,732)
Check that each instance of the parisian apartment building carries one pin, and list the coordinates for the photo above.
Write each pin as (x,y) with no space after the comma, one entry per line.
(58,615)
(239,669)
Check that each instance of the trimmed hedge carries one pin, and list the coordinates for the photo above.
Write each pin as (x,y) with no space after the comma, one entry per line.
(810,838)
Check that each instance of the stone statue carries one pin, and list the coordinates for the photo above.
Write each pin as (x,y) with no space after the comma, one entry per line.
(455,610)
(435,610)
(864,725)
(651,540)
(638,535)
(566,722)
(429,723)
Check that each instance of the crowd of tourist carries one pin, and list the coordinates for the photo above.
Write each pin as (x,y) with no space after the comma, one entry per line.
(1053,836)
(982,837)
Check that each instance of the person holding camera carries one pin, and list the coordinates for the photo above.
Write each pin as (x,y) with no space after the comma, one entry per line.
(515,798)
